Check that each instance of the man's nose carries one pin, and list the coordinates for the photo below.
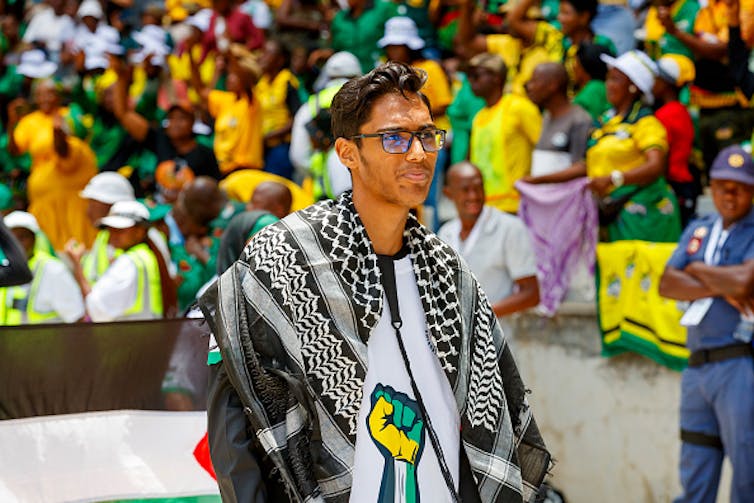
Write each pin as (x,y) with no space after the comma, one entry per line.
(416,151)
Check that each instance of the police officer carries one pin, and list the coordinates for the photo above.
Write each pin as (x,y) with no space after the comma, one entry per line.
(52,295)
(713,267)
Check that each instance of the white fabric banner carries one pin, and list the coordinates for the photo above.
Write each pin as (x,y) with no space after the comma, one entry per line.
(98,456)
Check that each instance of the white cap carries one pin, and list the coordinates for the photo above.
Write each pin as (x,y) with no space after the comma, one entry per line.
(200,20)
(108,187)
(638,67)
(342,64)
(34,64)
(125,214)
(21,220)
(90,8)
(401,31)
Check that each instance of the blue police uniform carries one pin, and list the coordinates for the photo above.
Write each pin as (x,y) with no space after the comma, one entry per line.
(717,398)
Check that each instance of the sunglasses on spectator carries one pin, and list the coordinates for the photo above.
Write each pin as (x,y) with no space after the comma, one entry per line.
(399,142)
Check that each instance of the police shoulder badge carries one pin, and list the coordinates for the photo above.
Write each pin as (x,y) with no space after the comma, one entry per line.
(700,232)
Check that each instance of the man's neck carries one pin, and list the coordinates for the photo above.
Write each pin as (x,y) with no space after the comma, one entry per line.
(184,146)
(558,106)
(384,225)
(467,225)
(582,35)
(493,98)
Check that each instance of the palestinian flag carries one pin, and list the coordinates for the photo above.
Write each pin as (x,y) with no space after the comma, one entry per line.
(102,412)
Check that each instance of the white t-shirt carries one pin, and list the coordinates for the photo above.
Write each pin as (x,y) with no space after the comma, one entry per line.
(59,292)
(498,250)
(114,292)
(387,393)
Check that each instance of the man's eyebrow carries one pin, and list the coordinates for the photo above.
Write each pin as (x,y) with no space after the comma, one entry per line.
(395,129)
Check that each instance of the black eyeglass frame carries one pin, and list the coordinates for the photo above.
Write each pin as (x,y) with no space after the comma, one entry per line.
(428,134)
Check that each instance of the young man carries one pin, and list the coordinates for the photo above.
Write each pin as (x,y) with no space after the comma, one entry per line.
(713,266)
(360,345)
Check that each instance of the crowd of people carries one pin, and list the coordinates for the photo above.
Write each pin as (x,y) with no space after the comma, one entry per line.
(139,137)
(537,97)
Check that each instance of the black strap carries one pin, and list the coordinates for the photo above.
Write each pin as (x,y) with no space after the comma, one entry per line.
(692,437)
(387,269)
(703,356)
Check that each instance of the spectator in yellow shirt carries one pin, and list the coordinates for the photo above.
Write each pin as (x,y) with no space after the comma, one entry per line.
(503,133)
(61,166)
(237,113)
(277,91)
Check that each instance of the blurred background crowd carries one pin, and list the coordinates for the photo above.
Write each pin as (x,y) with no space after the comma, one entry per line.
(133,132)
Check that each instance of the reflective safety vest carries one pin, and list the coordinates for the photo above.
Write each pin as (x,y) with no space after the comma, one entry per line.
(318,163)
(18,303)
(148,302)
(98,259)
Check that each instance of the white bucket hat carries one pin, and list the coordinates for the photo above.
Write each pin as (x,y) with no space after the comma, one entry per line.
(21,220)
(108,187)
(401,31)
(90,8)
(638,67)
(34,65)
(125,214)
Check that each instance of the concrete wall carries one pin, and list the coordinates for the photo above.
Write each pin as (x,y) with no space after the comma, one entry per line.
(611,424)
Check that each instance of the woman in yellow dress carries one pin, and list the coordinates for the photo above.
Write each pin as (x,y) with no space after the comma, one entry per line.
(61,166)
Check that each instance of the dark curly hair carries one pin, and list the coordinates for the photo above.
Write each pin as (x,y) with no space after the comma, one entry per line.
(352,105)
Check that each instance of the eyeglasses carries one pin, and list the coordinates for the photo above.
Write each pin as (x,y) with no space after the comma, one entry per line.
(398,142)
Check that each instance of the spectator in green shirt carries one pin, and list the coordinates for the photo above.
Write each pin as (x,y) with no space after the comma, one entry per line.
(358,28)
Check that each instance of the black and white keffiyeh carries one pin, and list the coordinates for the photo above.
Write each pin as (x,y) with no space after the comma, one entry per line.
(293,317)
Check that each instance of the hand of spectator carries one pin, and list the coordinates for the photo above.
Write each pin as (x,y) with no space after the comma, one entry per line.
(79,61)
(317,56)
(744,306)
(666,18)
(16,110)
(60,136)
(194,246)
(600,185)
(74,251)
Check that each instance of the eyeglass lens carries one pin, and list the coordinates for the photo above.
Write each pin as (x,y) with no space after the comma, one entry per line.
(400,141)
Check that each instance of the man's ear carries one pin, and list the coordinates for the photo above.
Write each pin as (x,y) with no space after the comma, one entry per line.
(447,193)
(347,152)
